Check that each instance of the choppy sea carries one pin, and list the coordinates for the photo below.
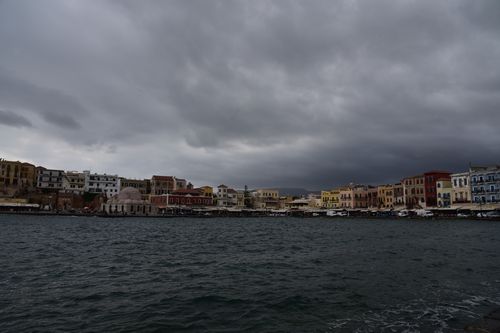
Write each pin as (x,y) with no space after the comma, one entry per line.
(89,274)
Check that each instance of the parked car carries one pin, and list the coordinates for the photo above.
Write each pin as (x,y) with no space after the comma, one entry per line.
(425,213)
(403,213)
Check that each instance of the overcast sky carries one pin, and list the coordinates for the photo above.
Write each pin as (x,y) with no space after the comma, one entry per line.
(266,93)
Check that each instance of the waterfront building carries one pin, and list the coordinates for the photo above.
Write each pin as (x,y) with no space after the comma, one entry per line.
(414,194)
(266,199)
(226,197)
(431,179)
(372,197)
(398,195)
(129,202)
(314,200)
(485,184)
(143,185)
(73,182)
(460,188)
(107,185)
(300,204)
(330,199)
(240,198)
(17,175)
(385,196)
(207,191)
(346,197)
(163,185)
(181,198)
(358,197)
(443,191)
(49,179)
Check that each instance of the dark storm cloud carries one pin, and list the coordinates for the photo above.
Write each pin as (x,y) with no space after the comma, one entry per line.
(53,106)
(9,118)
(261,93)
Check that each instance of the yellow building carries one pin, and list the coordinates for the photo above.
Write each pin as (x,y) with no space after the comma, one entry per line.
(207,191)
(15,174)
(385,196)
(443,191)
(330,199)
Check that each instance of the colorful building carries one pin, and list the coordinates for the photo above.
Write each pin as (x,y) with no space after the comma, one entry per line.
(162,185)
(460,188)
(330,199)
(346,197)
(485,184)
(431,179)
(399,195)
(385,196)
(443,191)
(414,191)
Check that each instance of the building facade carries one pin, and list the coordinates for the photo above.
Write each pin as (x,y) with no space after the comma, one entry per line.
(414,191)
(49,179)
(107,185)
(443,191)
(485,184)
(399,195)
(74,182)
(431,179)
(330,199)
(460,188)
(163,185)
(17,174)
(385,196)
(142,185)
(266,199)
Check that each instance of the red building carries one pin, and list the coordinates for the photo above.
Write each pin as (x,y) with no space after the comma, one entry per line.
(184,197)
(430,180)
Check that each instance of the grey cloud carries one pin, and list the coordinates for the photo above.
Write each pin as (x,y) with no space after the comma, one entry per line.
(53,106)
(9,118)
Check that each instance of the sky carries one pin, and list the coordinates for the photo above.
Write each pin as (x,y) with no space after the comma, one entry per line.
(310,94)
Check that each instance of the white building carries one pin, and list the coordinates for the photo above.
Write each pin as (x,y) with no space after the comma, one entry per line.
(49,179)
(226,197)
(460,188)
(108,185)
(485,184)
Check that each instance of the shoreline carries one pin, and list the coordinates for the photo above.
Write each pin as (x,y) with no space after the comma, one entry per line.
(304,216)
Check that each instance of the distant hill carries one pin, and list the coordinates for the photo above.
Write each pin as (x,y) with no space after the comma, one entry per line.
(296,192)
